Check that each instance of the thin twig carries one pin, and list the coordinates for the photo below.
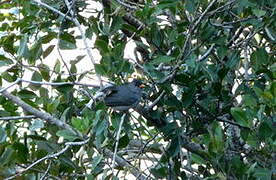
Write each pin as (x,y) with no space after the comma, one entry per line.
(203,14)
(14,83)
(245,41)
(88,50)
(225,120)
(126,5)
(47,171)
(8,118)
(58,37)
(206,54)
(117,142)
(59,83)
(156,101)
(246,63)
(51,156)
(60,55)
(221,8)
(41,171)
(4,2)
(123,163)
(49,83)
(52,9)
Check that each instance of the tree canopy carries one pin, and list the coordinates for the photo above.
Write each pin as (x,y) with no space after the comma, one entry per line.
(207,112)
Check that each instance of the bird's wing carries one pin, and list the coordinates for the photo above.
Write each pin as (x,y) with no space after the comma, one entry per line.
(121,96)
(115,101)
(109,90)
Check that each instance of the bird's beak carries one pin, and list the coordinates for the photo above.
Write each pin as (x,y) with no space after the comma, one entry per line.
(142,86)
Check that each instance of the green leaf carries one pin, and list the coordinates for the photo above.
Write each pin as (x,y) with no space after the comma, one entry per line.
(23,50)
(47,38)
(52,107)
(7,156)
(67,163)
(222,51)
(101,127)
(233,60)
(162,59)
(191,6)
(240,116)
(102,45)
(81,124)
(35,52)
(73,68)
(3,135)
(47,146)
(249,100)
(95,161)
(191,61)
(156,35)
(263,174)
(123,141)
(8,43)
(174,147)
(48,50)
(197,159)
(45,71)
(6,76)
(4,61)
(258,12)
(167,4)
(26,94)
(116,24)
(265,131)
(67,41)
(21,152)
(36,77)
(160,172)
(100,69)
(57,66)
(44,92)
(252,168)
(67,134)
(36,124)
(259,59)
(65,114)
(65,88)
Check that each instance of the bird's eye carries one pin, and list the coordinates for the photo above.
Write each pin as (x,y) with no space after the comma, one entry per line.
(142,86)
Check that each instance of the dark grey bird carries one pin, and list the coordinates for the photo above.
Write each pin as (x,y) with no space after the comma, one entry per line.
(121,98)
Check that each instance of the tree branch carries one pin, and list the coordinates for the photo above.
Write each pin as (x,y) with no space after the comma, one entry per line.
(8,118)
(123,163)
(51,156)
(88,50)
(48,83)
(52,9)
(43,115)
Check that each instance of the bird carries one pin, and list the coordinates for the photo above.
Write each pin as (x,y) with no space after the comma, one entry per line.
(125,96)
(120,97)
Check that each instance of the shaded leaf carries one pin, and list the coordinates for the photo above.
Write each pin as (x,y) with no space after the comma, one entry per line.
(240,116)
(48,50)
(26,94)
(3,135)
(162,59)
(68,135)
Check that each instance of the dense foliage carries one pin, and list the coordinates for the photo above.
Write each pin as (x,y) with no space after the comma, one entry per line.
(209,105)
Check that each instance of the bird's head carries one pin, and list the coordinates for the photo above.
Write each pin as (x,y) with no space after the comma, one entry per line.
(138,83)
